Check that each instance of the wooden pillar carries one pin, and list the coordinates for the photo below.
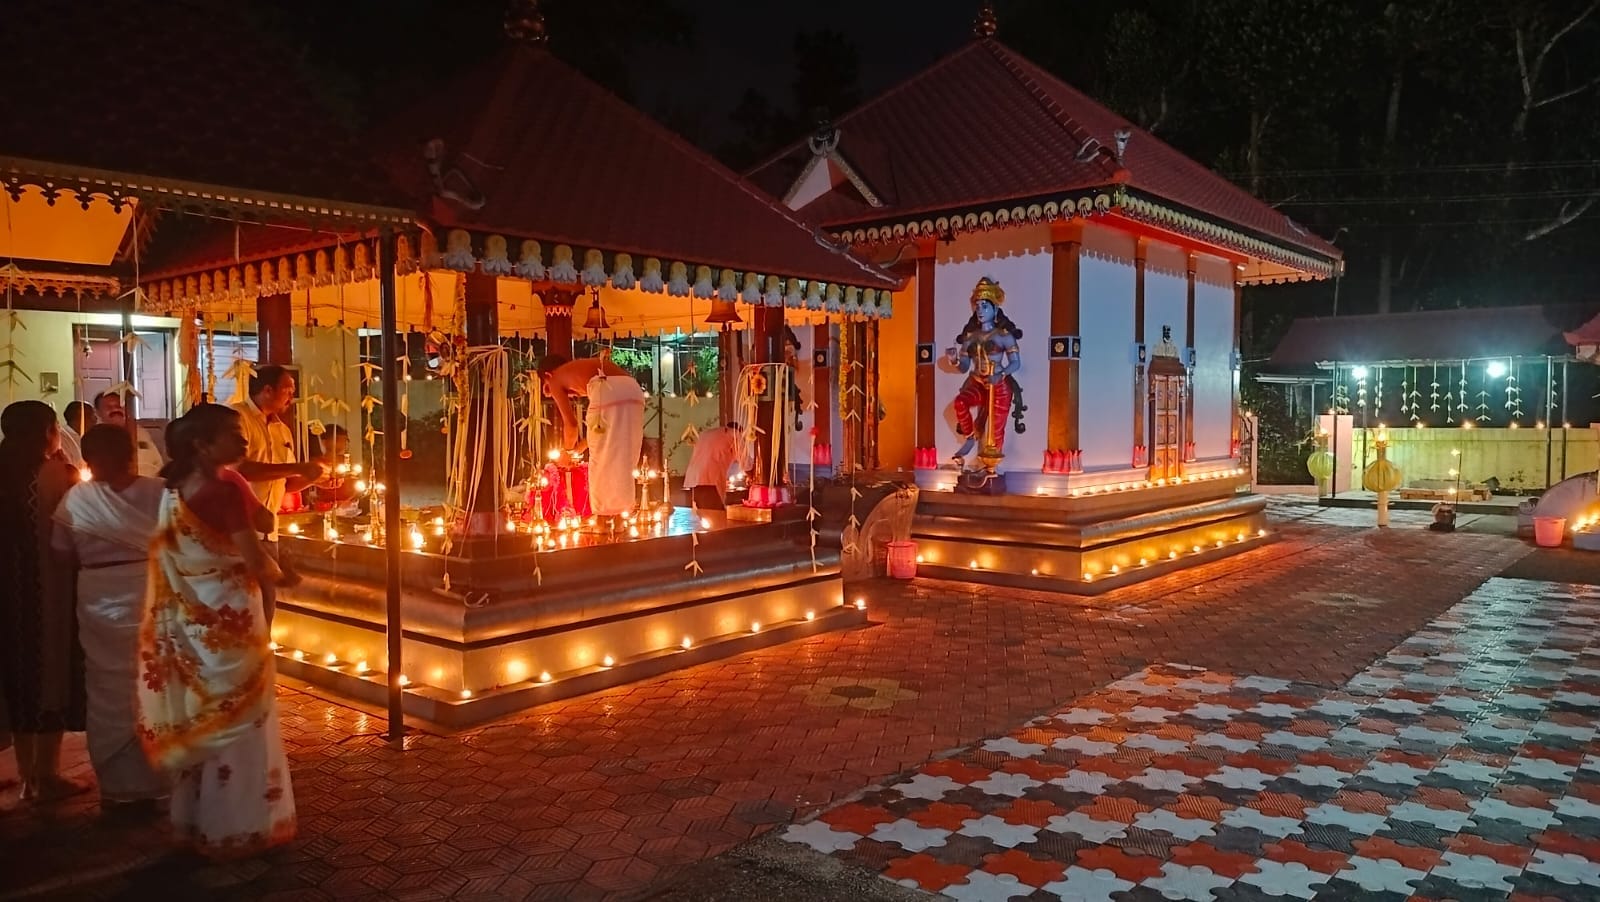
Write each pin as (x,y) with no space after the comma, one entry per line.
(1066,248)
(558,304)
(389,341)
(727,373)
(927,416)
(869,406)
(482,303)
(274,330)
(822,382)
(1141,391)
(769,337)
(1188,382)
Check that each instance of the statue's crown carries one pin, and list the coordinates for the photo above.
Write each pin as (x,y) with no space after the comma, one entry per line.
(989,290)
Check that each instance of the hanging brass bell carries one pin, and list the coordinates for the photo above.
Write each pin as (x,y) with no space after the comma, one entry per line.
(595,317)
(723,313)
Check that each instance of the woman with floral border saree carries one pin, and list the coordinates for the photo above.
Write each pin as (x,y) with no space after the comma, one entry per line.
(208,711)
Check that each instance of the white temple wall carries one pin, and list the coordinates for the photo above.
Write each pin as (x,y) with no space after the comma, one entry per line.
(1213,366)
(1166,294)
(46,341)
(1020,260)
(1106,280)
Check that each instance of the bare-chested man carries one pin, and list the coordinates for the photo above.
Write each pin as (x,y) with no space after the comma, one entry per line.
(613,425)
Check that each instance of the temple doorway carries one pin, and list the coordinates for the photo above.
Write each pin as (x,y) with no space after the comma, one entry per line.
(1166,418)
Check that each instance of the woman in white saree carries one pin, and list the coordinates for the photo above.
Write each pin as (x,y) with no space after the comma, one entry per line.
(207,709)
(103,530)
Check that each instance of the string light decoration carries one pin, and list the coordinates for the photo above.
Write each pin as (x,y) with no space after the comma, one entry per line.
(11,368)
(1415,398)
(1483,397)
(1433,398)
(1461,393)
(1513,392)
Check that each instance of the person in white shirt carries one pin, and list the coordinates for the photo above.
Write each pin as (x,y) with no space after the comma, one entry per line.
(80,419)
(269,461)
(706,479)
(108,405)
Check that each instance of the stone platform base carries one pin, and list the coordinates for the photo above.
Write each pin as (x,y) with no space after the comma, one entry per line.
(1084,545)
(501,639)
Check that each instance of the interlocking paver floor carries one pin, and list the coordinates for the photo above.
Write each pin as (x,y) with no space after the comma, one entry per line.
(1463,765)
(615,793)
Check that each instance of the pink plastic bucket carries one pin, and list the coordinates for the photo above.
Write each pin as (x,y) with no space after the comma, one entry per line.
(1548,532)
(902,560)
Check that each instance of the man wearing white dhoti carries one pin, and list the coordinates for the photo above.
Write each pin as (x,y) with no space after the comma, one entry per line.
(103,528)
(613,425)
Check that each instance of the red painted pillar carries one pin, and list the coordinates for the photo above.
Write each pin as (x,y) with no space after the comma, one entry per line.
(822,390)
(274,331)
(558,304)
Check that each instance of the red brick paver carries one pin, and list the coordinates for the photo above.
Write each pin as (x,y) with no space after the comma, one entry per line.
(615,792)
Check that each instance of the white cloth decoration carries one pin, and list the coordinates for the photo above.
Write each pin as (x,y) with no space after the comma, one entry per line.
(457,251)
(529,265)
(562,269)
(651,280)
(702,282)
(496,258)
(678,285)
(622,272)
(594,268)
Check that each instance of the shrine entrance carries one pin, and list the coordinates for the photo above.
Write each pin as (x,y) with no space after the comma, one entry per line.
(1167,392)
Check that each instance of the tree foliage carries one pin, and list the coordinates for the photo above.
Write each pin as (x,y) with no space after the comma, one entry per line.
(1451,147)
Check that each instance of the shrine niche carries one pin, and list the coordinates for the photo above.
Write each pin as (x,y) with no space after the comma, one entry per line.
(988,353)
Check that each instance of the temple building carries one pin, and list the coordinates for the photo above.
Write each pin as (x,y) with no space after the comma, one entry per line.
(1068,335)
(555,222)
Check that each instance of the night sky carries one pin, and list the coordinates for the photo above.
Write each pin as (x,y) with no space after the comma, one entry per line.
(743,44)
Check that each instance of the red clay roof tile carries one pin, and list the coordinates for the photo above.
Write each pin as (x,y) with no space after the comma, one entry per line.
(560,159)
(985,125)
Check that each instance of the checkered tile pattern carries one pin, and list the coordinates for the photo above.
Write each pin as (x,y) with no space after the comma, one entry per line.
(1464,765)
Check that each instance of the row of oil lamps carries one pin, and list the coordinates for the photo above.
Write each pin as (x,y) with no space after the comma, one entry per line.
(1172,555)
(1110,488)
(517,670)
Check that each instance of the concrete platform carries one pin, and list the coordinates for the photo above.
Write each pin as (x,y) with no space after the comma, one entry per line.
(1085,544)
(486,635)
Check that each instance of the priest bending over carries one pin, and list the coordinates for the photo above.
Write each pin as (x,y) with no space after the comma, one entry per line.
(613,425)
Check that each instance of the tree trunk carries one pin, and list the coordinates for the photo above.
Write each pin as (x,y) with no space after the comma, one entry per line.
(1252,151)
